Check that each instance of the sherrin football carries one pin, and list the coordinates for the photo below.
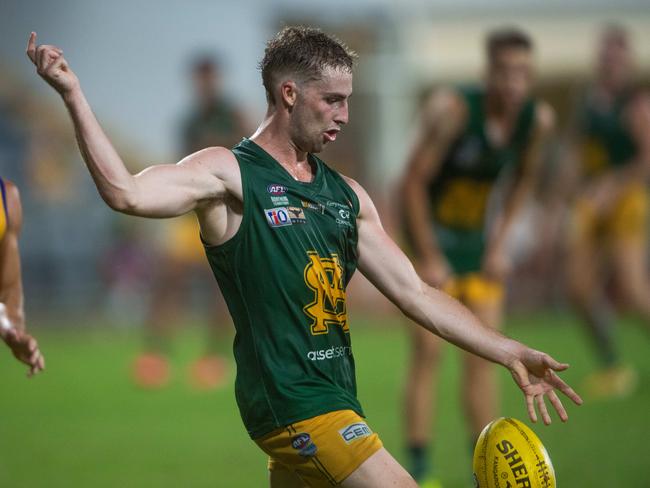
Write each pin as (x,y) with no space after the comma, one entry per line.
(509,455)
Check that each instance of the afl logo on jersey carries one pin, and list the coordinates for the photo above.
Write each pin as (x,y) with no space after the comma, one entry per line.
(277,217)
(276,189)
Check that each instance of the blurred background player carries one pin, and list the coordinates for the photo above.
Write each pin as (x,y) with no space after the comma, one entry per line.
(608,241)
(212,121)
(12,317)
(471,141)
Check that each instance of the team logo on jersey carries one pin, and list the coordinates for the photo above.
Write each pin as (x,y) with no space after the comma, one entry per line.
(277,217)
(324,276)
(355,431)
(303,444)
(317,207)
(284,200)
(276,189)
(297,215)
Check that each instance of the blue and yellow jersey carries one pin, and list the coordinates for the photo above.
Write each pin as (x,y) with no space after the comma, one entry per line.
(4,215)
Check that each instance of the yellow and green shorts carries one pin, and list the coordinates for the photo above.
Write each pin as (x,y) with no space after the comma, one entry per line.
(322,451)
(626,220)
(472,288)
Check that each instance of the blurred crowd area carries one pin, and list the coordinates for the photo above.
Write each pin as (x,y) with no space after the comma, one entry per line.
(78,257)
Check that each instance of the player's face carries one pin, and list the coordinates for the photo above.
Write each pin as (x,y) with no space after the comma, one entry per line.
(321,109)
(510,75)
(614,61)
(206,83)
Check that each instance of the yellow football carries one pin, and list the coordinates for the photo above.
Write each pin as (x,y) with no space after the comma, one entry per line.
(509,455)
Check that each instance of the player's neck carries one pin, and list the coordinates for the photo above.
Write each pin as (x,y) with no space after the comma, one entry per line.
(272,135)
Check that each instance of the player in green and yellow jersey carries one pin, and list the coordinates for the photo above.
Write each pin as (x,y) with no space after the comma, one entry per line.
(609,235)
(283,234)
(471,141)
(12,318)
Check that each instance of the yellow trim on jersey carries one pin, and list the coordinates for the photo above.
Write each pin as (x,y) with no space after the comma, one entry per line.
(474,288)
(627,220)
(322,451)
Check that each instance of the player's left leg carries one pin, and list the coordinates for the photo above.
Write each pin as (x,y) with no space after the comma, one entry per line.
(380,470)
(629,251)
(479,383)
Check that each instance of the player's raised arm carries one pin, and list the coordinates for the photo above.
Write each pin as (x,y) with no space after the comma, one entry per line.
(441,120)
(386,266)
(158,191)
(12,318)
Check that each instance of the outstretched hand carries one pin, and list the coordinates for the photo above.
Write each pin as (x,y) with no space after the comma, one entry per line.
(535,373)
(51,65)
(25,348)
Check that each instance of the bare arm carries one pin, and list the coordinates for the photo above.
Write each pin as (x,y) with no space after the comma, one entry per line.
(441,121)
(521,189)
(384,264)
(12,317)
(11,284)
(158,191)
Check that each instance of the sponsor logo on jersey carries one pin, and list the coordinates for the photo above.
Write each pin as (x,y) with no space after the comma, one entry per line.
(274,189)
(330,203)
(343,213)
(355,431)
(331,353)
(297,215)
(280,200)
(303,444)
(277,217)
(317,207)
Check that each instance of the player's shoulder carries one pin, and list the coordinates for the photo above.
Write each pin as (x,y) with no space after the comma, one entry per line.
(214,159)
(11,193)
(445,100)
(11,203)
(545,118)
(639,101)
(364,202)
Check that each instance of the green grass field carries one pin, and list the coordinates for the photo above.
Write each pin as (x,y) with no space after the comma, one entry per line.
(82,423)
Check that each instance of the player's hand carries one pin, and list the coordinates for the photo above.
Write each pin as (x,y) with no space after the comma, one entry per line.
(51,66)
(435,271)
(25,348)
(535,373)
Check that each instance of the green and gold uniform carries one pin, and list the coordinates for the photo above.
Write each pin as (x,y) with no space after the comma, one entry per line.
(606,140)
(460,192)
(283,276)
(607,146)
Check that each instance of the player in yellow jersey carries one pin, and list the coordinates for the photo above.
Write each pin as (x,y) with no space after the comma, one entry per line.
(608,240)
(12,318)
(470,139)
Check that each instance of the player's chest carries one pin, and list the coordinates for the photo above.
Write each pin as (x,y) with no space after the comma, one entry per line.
(303,212)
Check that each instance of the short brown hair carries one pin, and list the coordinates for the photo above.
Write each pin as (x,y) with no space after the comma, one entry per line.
(304,52)
(507,37)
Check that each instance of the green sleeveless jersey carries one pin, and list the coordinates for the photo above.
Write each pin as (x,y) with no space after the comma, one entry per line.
(284,275)
(460,192)
(607,142)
